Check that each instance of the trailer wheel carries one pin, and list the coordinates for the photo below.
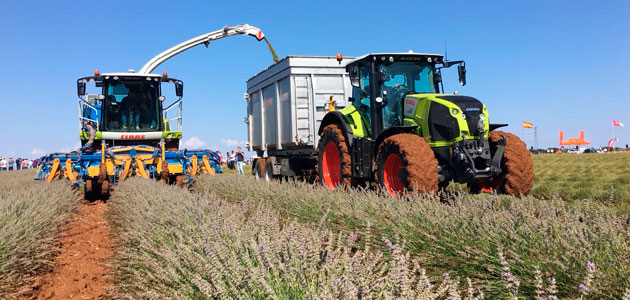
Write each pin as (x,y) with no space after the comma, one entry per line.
(406,161)
(517,168)
(259,169)
(333,158)
(268,170)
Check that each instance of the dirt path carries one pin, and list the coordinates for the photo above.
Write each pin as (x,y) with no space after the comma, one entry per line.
(81,270)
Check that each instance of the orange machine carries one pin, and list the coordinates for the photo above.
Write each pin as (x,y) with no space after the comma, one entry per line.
(572,141)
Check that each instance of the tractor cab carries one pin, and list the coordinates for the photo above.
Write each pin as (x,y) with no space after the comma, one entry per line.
(128,109)
(382,82)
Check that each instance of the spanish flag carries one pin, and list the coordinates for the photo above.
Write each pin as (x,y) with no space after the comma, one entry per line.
(528,125)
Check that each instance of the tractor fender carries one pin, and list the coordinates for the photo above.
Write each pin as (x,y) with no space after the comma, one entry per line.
(335,117)
(392,131)
(494,127)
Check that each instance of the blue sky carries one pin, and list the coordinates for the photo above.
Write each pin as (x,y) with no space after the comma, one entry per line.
(558,64)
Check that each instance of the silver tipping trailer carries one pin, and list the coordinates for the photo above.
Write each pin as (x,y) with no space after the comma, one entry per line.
(285,105)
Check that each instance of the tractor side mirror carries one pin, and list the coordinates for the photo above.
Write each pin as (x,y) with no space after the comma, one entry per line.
(354,76)
(461,71)
(179,89)
(80,88)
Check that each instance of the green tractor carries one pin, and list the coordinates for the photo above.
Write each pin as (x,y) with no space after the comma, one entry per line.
(404,134)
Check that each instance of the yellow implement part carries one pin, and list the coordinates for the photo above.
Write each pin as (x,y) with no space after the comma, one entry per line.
(126,170)
(93,171)
(206,165)
(163,152)
(103,152)
(53,170)
(175,169)
(195,166)
(68,171)
(140,168)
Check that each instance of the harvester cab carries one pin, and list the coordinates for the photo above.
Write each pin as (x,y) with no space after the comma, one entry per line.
(401,122)
(129,109)
(128,127)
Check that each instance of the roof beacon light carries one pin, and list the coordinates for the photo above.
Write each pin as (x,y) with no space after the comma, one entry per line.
(339,57)
(164,74)
(97,72)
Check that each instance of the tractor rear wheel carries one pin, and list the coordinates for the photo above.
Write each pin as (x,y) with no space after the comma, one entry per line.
(333,158)
(259,169)
(406,162)
(517,168)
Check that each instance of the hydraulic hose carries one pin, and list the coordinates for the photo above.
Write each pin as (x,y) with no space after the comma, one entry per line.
(90,141)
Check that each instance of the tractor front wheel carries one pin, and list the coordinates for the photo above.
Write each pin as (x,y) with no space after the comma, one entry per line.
(517,168)
(333,159)
(406,162)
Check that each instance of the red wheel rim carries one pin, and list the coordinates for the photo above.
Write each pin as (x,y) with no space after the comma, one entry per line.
(391,177)
(331,165)
(489,186)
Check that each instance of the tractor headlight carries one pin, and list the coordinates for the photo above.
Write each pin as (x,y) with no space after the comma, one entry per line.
(454,111)
(464,116)
(482,117)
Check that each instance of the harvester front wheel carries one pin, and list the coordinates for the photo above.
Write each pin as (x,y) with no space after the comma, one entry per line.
(406,161)
(333,158)
(517,168)
(259,169)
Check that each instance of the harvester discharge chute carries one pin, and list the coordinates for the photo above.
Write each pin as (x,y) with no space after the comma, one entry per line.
(127,129)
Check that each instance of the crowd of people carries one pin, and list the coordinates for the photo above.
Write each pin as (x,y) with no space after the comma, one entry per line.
(234,160)
(10,164)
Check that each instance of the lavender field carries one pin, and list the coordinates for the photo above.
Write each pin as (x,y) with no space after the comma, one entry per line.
(232,237)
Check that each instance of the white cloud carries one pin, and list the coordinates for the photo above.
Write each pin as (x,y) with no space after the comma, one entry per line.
(70,149)
(232,142)
(37,152)
(193,142)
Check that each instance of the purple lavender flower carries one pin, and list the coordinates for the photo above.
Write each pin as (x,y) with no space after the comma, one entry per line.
(582,287)
(429,284)
(389,244)
(446,276)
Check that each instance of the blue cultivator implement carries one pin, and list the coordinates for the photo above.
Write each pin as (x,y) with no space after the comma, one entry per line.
(99,170)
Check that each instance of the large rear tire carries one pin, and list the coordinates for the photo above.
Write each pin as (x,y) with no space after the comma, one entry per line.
(517,168)
(333,158)
(406,162)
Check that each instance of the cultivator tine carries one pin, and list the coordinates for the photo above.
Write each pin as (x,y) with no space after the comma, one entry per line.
(206,165)
(126,169)
(195,166)
(53,170)
(140,168)
(69,173)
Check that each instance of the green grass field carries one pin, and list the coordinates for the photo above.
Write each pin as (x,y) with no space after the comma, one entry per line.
(604,177)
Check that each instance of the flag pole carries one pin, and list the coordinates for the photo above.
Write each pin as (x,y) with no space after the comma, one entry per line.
(536,137)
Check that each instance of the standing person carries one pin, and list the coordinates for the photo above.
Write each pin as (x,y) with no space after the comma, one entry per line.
(24,164)
(3,164)
(10,163)
(18,161)
(220,157)
(240,159)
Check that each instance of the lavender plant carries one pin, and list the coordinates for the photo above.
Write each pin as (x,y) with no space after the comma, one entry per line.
(31,214)
(464,230)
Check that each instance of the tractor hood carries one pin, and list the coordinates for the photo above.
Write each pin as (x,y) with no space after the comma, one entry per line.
(446,116)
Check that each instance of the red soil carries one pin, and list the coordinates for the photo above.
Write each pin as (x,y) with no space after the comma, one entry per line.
(81,269)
